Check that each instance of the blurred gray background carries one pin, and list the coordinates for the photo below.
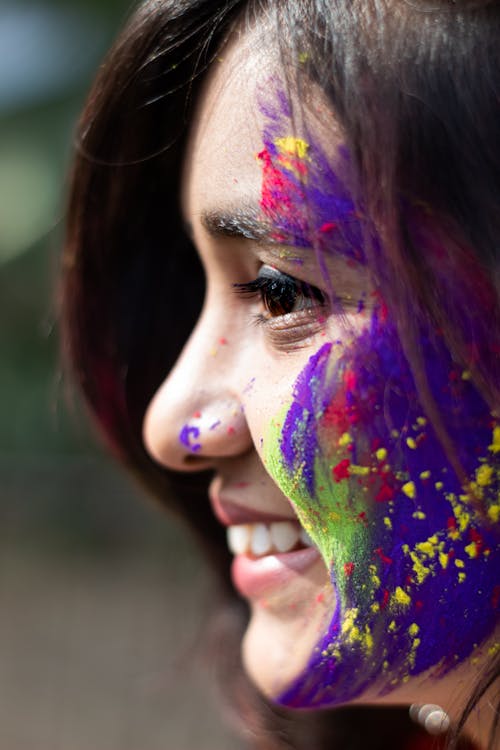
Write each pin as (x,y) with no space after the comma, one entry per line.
(101,599)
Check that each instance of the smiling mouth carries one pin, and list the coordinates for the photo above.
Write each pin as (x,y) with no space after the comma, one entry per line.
(257,540)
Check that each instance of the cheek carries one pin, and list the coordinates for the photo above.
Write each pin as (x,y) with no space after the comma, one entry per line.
(409,558)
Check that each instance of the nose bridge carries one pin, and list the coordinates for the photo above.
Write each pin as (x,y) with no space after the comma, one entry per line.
(197,411)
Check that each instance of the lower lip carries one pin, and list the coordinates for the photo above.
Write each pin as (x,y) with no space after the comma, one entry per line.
(253,578)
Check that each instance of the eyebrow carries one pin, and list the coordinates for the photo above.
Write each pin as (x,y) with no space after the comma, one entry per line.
(242,222)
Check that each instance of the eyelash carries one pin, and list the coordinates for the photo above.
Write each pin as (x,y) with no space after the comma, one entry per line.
(279,293)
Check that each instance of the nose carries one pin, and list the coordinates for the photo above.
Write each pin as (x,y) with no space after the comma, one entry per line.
(197,415)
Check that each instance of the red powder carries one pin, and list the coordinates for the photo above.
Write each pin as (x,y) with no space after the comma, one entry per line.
(230,430)
(385,599)
(495,597)
(451,523)
(341,471)
(222,341)
(336,416)
(348,569)
(197,415)
(385,493)
(320,598)
(384,558)
(350,380)
(327,226)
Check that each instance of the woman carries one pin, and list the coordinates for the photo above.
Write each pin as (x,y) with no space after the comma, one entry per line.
(337,169)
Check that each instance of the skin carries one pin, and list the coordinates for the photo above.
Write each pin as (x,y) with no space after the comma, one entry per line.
(241,393)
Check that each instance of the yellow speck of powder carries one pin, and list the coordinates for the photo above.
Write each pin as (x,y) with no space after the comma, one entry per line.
(375,607)
(472,550)
(392,626)
(439,485)
(461,577)
(495,445)
(388,522)
(460,563)
(293,146)
(303,57)
(359,470)
(494,513)
(421,421)
(484,475)
(413,629)
(444,560)
(466,375)
(493,650)
(411,443)
(429,547)
(425,474)
(400,599)
(345,439)
(409,489)
(368,639)
(385,665)
(394,433)
(419,515)
(381,454)
(420,570)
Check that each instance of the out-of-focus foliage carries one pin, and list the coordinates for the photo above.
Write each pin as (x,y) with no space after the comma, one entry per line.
(53,476)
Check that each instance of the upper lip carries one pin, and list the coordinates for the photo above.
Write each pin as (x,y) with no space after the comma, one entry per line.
(231,513)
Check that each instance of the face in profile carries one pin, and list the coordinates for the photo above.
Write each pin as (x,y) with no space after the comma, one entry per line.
(356,528)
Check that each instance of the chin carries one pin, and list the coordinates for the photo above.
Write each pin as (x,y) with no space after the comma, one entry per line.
(283,633)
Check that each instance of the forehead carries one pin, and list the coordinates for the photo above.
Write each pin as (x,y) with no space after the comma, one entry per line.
(231,115)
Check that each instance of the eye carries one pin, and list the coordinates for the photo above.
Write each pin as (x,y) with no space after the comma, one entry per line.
(280,293)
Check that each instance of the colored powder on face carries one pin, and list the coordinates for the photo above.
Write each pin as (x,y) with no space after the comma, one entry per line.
(303,197)
(412,564)
(388,534)
(188,436)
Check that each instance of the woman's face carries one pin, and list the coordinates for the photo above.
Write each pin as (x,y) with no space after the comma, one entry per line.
(295,390)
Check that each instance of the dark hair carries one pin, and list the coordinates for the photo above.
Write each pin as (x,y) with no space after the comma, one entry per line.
(416,89)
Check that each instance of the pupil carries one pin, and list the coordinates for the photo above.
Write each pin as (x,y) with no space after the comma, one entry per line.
(281,296)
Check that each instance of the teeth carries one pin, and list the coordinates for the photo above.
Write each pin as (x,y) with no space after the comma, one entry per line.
(285,535)
(260,539)
(260,542)
(306,539)
(238,538)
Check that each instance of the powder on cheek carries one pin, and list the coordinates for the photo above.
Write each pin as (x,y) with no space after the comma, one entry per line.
(412,565)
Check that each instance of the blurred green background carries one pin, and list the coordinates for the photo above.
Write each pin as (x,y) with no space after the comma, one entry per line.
(101,600)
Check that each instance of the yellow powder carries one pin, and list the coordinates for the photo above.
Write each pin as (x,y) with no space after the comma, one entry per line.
(425,474)
(495,445)
(484,475)
(444,560)
(345,439)
(411,443)
(293,146)
(420,570)
(359,470)
(494,513)
(409,489)
(472,550)
(419,515)
(400,598)
(381,454)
